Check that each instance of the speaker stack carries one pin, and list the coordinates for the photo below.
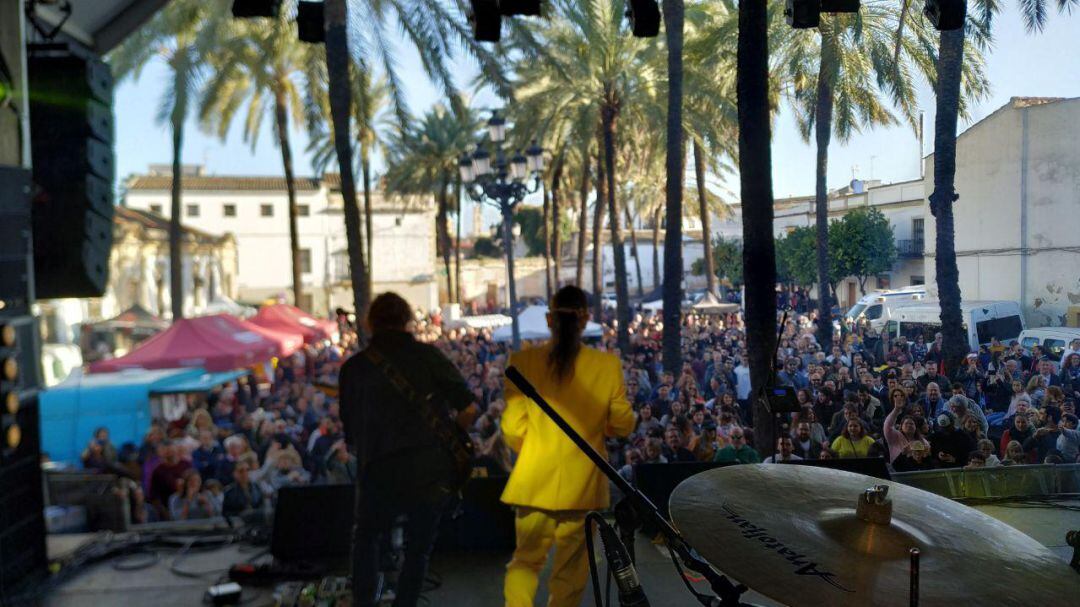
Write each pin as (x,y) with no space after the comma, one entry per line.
(22,524)
(71,125)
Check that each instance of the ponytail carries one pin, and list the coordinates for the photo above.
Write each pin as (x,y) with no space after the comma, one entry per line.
(568,307)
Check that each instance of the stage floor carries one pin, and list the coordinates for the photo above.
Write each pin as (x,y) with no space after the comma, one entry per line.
(472,579)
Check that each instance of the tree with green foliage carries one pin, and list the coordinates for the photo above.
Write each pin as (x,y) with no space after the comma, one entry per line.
(485,246)
(861,244)
(795,259)
(531,221)
(726,259)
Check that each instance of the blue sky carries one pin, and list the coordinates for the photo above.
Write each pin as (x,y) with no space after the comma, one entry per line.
(1020,64)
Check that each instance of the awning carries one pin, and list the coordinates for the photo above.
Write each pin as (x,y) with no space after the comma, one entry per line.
(198,383)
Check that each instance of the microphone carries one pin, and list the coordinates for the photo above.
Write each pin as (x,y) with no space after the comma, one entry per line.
(622,568)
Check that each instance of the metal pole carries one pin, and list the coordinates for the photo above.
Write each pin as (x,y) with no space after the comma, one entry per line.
(508,242)
(914,577)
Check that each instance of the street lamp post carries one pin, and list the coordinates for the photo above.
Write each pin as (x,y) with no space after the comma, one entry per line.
(503,183)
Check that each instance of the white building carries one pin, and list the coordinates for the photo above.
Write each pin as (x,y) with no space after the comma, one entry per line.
(1018,216)
(255,211)
(901,203)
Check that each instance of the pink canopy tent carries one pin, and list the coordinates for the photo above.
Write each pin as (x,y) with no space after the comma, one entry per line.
(290,319)
(215,343)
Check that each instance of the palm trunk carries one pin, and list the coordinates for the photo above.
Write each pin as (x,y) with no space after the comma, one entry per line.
(508,244)
(597,238)
(823,132)
(583,222)
(545,233)
(457,243)
(176,255)
(281,122)
(755,187)
(706,221)
(949,65)
(634,249)
(337,67)
(442,233)
(609,116)
(365,170)
(556,231)
(656,248)
(676,157)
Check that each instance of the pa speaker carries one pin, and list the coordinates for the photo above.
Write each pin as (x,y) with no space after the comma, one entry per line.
(247,9)
(71,125)
(485,20)
(309,22)
(802,14)
(644,18)
(840,6)
(510,8)
(946,15)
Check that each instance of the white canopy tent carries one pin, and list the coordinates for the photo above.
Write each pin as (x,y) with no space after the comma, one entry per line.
(532,323)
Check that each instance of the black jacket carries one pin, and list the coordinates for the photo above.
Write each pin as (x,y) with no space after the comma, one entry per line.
(379,423)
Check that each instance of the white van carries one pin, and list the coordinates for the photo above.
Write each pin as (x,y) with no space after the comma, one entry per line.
(871,306)
(1054,340)
(983,320)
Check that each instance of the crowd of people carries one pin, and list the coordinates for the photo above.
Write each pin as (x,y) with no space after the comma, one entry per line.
(860,396)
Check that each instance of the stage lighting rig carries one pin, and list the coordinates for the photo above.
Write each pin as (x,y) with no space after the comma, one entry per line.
(644,16)
(250,9)
(485,20)
(946,15)
(309,22)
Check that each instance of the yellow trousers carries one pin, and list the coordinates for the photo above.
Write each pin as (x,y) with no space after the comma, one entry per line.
(536,531)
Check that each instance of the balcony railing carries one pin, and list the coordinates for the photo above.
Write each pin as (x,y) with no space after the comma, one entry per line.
(910,248)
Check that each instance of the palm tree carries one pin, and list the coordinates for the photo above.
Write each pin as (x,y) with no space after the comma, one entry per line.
(180,35)
(840,75)
(424,159)
(264,66)
(676,159)
(953,73)
(370,97)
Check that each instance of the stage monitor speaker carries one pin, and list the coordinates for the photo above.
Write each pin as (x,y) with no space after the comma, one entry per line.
(310,22)
(840,6)
(644,18)
(247,9)
(313,523)
(71,125)
(870,466)
(15,245)
(22,523)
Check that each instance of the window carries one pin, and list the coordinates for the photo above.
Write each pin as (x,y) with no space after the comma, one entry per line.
(192,210)
(397,222)
(266,210)
(1029,342)
(873,312)
(303,210)
(305,261)
(1004,328)
(917,226)
(884,281)
(228,210)
(155,209)
(917,280)
(1056,347)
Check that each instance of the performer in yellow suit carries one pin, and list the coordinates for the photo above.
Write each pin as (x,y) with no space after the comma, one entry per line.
(553,484)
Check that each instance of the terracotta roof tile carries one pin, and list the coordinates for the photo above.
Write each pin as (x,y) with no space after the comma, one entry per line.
(254,183)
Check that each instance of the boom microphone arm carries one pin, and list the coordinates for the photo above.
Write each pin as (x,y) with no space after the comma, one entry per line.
(727,592)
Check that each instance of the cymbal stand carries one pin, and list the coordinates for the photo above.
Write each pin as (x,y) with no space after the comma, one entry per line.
(914,591)
(727,592)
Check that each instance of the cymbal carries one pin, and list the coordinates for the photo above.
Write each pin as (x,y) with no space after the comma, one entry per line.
(793,533)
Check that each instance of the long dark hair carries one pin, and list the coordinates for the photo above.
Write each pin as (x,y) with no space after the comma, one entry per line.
(568,307)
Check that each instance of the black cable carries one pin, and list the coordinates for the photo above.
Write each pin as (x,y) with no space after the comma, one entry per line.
(590,520)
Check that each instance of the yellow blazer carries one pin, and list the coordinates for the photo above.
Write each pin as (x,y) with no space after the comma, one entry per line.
(551,472)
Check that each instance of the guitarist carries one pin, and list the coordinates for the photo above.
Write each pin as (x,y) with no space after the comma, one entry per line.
(396,402)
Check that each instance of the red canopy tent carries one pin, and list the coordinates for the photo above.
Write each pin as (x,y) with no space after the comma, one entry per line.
(215,343)
(290,319)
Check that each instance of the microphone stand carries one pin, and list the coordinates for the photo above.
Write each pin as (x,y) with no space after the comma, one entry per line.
(727,593)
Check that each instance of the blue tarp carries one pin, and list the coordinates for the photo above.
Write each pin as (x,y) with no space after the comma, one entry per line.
(73,409)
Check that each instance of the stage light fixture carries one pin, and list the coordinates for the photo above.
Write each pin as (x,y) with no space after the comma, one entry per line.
(519,7)
(802,14)
(840,6)
(249,9)
(309,22)
(946,15)
(485,20)
(644,18)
